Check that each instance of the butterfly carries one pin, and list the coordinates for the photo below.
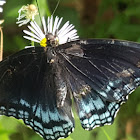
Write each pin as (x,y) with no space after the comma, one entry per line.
(98,73)
(37,84)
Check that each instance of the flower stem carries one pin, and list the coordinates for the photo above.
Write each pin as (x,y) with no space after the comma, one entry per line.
(32,43)
(107,136)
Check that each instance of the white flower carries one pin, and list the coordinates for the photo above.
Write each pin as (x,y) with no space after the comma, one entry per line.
(2,2)
(52,33)
(27,14)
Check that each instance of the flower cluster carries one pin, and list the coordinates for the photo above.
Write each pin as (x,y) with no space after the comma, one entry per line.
(26,14)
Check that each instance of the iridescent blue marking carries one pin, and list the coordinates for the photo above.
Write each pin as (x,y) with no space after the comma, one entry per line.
(103,93)
(52,137)
(102,116)
(93,124)
(103,121)
(38,124)
(48,131)
(116,106)
(54,115)
(62,134)
(21,113)
(12,110)
(96,117)
(98,104)
(109,119)
(98,122)
(26,113)
(107,114)
(108,88)
(45,116)
(23,102)
(81,114)
(85,121)
(57,134)
(37,111)
(91,119)
(85,107)
(111,84)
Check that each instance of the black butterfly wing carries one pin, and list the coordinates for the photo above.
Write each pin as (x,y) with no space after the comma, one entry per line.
(102,74)
(99,73)
(28,91)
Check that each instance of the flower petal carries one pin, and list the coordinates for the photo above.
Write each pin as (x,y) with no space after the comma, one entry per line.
(31,34)
(26,47)
(55,25)
(51,24)
(37,28)
(44,25)
(34,31)
(32,39)
(63,29)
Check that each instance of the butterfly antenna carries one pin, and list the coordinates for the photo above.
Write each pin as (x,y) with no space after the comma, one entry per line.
(39,13)
(56,7)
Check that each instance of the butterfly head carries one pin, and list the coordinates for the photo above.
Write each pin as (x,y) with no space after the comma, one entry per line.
(52,40)
(49,40)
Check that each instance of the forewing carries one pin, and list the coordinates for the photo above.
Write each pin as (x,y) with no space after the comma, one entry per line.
(28,92)
(103,72)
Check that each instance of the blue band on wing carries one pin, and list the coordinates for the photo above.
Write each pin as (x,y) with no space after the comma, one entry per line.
(94,111)
(49,124)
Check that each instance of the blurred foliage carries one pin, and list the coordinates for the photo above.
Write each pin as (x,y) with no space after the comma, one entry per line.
(119,19)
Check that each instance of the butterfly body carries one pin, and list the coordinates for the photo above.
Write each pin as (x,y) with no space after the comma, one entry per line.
(37,84)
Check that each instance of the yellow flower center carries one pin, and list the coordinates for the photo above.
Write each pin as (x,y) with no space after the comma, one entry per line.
(43,42)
